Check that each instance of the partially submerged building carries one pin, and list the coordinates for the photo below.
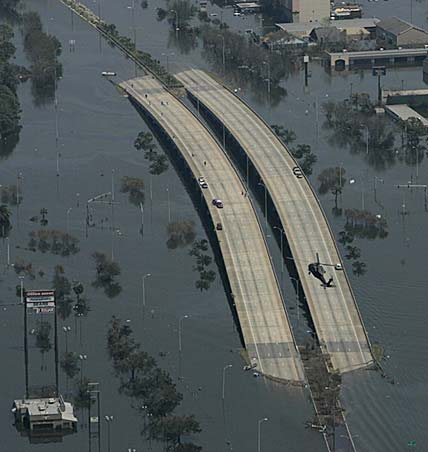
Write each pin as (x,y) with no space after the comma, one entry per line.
(396,32)
(307,10)
(45,415)
(359,28)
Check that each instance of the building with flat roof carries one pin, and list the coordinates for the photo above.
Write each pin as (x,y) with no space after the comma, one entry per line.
(396,32)
(353,27)
(45,415)
(308,10)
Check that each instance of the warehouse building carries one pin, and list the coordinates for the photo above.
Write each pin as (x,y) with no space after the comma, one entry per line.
(395,32)
(308,10)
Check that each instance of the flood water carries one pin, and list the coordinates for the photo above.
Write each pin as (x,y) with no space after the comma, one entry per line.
(97,129)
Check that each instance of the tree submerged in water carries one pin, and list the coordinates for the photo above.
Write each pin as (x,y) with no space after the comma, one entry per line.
(158,161)
(10,111)
(365,225)
(206,276)
(134,186)
(11,194)
(69,364)
(355,125)
(54,241)
(151,389)
(5,224)
(43,51)
(107,270)
(181,234)
(302,152)
(332,180)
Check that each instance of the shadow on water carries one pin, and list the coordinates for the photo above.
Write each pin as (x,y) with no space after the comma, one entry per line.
(192,188)
(249,172)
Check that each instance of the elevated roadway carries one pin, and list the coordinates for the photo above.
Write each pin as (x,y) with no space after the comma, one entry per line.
(259,304)
(334,311)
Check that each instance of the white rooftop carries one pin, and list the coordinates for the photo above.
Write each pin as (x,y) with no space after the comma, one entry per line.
(46,409)
(404,112)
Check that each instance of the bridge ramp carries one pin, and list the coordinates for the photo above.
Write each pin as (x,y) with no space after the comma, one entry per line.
(262,316)
(334,310)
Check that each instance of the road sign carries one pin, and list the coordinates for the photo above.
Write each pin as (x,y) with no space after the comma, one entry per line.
(41,301)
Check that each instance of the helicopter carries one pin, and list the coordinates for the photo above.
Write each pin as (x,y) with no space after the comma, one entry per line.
(316,269)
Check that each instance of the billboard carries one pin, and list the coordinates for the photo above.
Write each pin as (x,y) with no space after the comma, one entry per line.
(40,301)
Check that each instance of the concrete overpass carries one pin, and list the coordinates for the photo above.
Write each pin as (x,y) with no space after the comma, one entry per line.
(374,57)
(334,311)
(265,326)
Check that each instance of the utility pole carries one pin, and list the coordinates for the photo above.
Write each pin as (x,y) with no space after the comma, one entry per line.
(24,306)
(306,63)
(379,71)
(56,350)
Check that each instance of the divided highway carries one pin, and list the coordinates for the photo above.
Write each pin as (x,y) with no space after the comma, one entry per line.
(334,310)
(263,319)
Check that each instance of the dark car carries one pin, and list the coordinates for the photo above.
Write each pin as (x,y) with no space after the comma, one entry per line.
(218,203)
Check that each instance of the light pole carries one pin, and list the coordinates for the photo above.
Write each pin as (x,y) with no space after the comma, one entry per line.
(180,321)
(268,79)
(109,420)
(223,54)
(169,205)
(297,298)
(379,71)
(18,190)
(24,306)
(265,419)
(266,221)
(82,358)
(224,380)
(281,231)
(68,214)
(144,291)
(66,330)
(367,137)
(8,251)
(21,282)
(176,21)
(56,115)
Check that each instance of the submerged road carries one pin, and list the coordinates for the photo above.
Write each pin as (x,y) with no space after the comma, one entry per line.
(256,293)
(334,310)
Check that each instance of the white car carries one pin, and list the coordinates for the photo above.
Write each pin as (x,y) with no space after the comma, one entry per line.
(218,203)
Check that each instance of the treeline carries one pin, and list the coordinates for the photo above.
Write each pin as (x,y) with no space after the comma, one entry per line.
(244,55)
(144,58)
(151,388)
(10,112)
(43,51)
(9,10)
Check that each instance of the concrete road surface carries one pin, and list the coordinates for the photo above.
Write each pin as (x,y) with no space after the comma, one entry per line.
(334,310)
(263,319)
